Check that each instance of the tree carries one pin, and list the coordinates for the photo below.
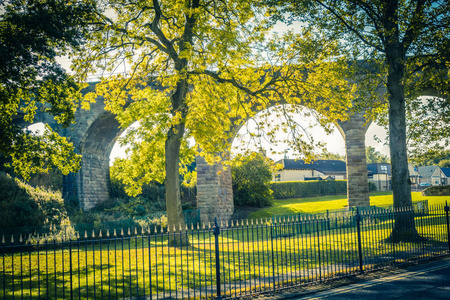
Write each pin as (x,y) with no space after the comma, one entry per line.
(409,41)
(251,181)
(432,158)
(373,156)
(194,69)
(331,156)
(32,35)
(445,163)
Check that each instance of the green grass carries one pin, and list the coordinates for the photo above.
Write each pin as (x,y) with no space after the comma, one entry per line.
(329,203)
(246,253)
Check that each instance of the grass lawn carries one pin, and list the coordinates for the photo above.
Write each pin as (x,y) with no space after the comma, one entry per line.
(292,252)
(322,204)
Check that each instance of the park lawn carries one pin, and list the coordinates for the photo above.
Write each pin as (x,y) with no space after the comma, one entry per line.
(133,265)
(322,204)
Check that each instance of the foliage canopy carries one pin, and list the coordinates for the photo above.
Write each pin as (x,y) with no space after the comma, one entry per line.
(193,72)
(407,44)
(251,177)
(32,35)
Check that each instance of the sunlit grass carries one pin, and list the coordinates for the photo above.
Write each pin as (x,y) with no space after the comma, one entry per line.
(323,204)
(297,251)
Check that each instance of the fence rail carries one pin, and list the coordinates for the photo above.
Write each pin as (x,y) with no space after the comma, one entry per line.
(224,260)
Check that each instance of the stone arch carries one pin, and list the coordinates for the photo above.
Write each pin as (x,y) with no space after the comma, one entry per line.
(214,184)
(91,185)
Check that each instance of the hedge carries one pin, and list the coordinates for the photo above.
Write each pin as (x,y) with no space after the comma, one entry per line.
(315,188)
(437,191)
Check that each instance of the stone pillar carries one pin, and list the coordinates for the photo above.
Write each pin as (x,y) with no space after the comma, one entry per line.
(214,191)
(93,180)
(354,132)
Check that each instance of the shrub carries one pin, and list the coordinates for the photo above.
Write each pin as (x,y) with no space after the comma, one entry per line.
(251,177)
(315,188)
(301,189)
(21,205)
(372,187)
(150,201)
(437,191)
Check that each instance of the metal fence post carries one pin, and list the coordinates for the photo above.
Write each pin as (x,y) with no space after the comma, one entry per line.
(216,239)
(447,208)
(358,228)
(70,270)
(272,224)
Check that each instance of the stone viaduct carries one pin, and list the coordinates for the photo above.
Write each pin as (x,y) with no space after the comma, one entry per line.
(96,131)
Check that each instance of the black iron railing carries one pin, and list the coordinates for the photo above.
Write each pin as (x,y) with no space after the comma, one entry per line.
(222,260)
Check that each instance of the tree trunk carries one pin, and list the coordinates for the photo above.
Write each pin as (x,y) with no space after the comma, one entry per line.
(175,217)
(404,227)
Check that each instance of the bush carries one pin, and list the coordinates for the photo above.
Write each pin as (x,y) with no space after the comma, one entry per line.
(301,189)
(372,187)
(251,177)
(150,201)
(21,205)
(437,191)
(316,188)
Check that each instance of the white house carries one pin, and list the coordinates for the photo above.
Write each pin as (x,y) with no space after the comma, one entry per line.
(298,170)
(432,175)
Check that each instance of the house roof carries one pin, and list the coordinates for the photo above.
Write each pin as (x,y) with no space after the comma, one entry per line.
(427,171)
(374,168)
(324,166)
(446,171)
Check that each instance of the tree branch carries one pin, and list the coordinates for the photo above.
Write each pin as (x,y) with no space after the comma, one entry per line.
(349,27)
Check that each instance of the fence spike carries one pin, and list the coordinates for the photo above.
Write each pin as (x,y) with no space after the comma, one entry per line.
(180,227)
(3,239)
(20,238)
(93,234)
(226,223)
(107,232)
(221,224)
(129,231)
(12,238)
(156,230)
(100,234)
(114,233)
(209,225)
(251,223)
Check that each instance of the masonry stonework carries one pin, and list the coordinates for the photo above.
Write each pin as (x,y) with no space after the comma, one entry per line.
(354,131)
(214,191)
